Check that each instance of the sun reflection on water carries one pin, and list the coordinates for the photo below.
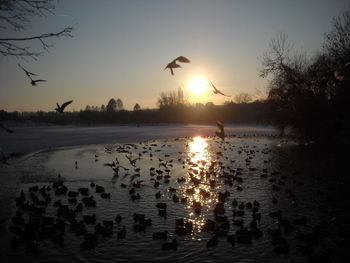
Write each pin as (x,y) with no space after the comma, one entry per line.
(199,186)
(198,149)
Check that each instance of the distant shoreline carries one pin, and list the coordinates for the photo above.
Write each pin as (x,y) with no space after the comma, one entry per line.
(30,123)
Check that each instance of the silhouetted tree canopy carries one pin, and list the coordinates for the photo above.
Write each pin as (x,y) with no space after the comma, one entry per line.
(254,112)
(111,105)
(171,98)
(119,104)
(337,41)
(137,107)
(243,98)
(303,92)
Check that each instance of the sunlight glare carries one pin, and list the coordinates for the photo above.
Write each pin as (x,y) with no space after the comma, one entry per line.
(198,147)
(198,85)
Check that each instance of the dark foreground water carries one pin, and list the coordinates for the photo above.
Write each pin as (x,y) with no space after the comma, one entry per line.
(301,210)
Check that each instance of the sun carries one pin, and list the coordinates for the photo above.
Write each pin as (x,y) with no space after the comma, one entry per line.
(198,85)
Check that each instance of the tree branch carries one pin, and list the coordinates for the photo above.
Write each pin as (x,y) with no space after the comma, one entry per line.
(7,48)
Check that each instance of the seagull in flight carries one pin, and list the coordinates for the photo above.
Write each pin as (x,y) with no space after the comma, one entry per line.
(216,91)
(173,64)
(220,130)
(61,108)
(30,74)
(344,74)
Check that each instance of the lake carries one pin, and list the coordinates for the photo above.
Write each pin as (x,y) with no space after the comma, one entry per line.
(278,200)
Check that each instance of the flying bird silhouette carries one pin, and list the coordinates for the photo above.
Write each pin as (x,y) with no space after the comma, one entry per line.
(2,127)
(61,108)
(216,91)
(343,74)
(33,82)
(29,75)
(220,130)
(173,64)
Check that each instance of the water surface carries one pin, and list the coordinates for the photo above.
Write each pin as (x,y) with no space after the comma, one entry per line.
(280,175)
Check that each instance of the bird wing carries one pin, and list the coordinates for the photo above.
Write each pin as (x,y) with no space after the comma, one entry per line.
(214,87)
(219,124)
(218,91)
(112,165)
(66,104)
(221,134)
(172,71)
(26,71)
(224,94)
(182,59)
(40,80)
(21,67)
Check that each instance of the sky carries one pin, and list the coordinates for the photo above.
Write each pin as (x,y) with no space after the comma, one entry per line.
(119,49)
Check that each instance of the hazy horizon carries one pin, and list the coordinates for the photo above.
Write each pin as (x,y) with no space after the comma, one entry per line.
(120,48)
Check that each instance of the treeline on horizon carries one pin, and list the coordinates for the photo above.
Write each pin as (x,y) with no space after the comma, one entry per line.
(174,112)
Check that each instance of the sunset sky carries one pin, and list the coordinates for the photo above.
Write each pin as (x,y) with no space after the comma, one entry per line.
(120,48)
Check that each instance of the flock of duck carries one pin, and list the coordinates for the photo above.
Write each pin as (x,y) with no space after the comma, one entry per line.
(209,189)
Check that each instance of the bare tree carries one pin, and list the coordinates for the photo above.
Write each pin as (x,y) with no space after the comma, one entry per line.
(17,15)
(243,98)
(280,63)
(337,41)
(171,98)
(276,57)
(180,96)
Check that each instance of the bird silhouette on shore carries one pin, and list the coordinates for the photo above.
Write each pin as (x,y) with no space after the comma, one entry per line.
(61,108)
(216,91)
(220,130)
(173,64)
(343,74)
(2,127)
(29,75)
